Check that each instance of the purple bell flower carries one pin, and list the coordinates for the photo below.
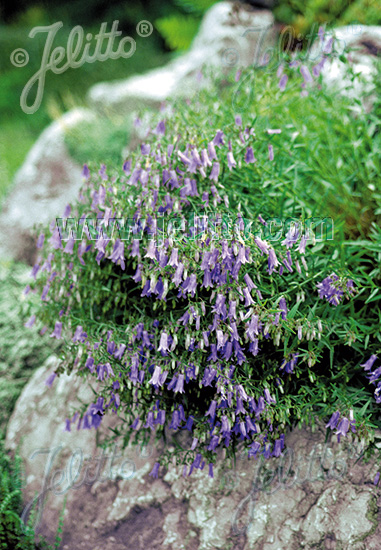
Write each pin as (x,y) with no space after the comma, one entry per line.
(249,156)
(179,384)
(163,346)
(40,240)
(118,253)
(219,138)
(57,331)
(86,172)
(30,322)
(333,420)
(215,171)
(49,381)
(155,470)
(283,82)
(231,162)
(272,261)
(306,74)
(369,364)
(55,239)
(156,376)
(212,410)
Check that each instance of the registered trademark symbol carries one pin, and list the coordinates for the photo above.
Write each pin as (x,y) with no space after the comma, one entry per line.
(144,28)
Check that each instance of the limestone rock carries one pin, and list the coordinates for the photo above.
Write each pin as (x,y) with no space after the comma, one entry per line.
(228,36)
(313,496)
(364,43)
(45,183)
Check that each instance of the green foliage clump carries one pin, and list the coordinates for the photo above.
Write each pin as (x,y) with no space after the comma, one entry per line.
(10,501)
(14,533)
(21,352)
(304,15)
(231,336)
(179,29)
(84,141)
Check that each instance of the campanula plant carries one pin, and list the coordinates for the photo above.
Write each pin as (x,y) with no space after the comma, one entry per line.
(174,292)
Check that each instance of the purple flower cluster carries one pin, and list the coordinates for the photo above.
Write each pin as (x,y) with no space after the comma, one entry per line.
(308,79)
(288,366)
(374,376)
(333,289)
(341,424)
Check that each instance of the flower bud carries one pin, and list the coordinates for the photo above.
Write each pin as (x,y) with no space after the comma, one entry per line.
(187,341)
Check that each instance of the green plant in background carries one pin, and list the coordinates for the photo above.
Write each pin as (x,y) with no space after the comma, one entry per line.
(367,12)
(14,534)
(10,501)
(304,14)
(179,29)
(84,141)
(21,353)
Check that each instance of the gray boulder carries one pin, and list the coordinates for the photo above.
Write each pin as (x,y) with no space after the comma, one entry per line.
(315,496)
(360,45)
(230,35)
(46,182)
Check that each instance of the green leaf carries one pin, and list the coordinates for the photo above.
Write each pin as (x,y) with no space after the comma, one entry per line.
(293,310)
(195,6)
(178,31)
(375,295)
